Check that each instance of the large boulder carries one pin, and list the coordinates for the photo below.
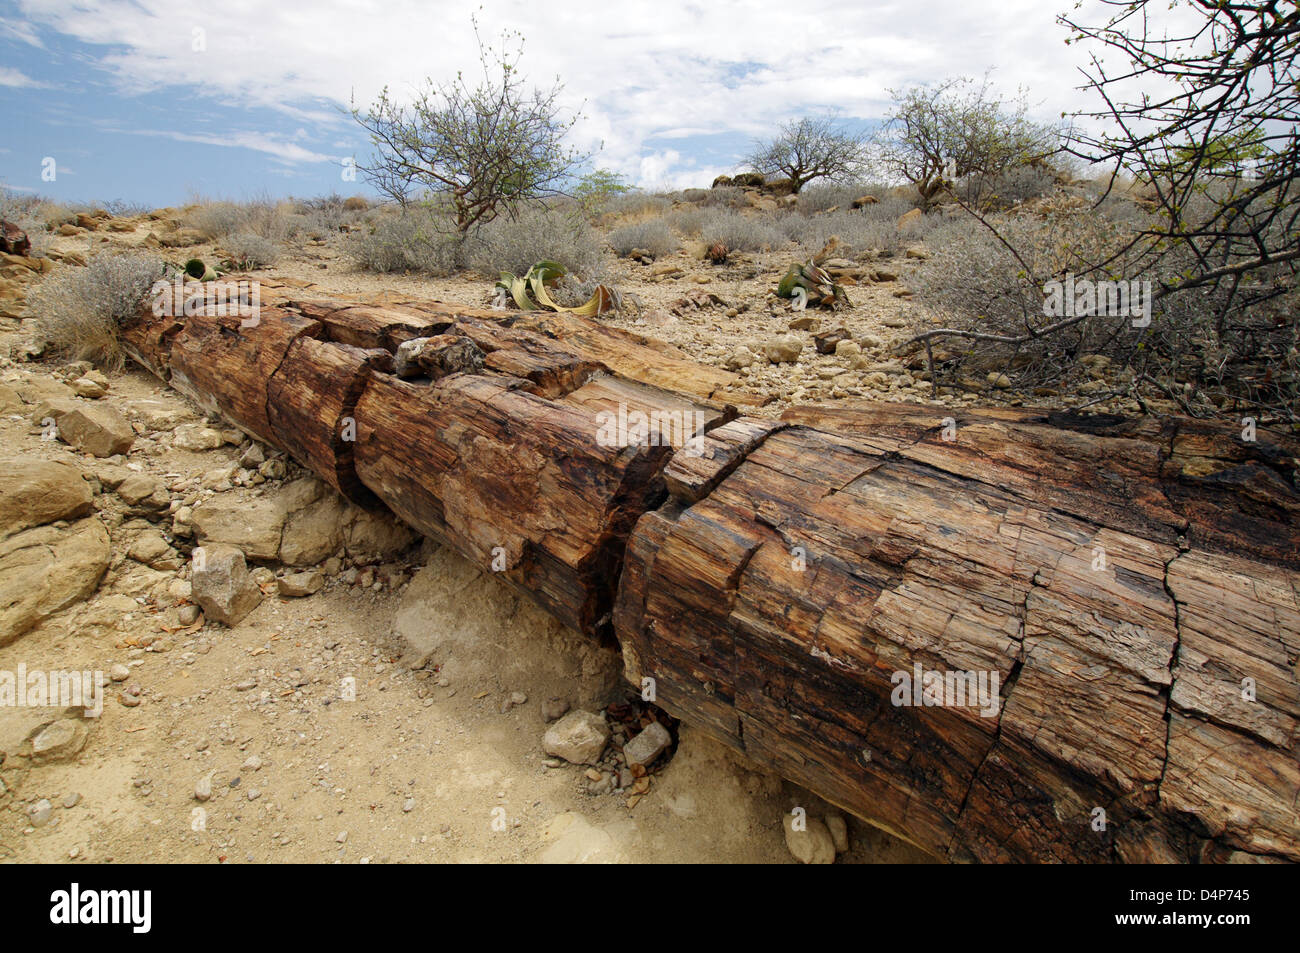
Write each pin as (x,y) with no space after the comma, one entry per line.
(45,569)
(222,585)
(36,492)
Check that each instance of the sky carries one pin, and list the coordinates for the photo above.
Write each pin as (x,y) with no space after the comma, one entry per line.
(163,101)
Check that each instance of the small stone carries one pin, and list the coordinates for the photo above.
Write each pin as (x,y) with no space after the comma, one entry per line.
(342,838)
(518,698)
(409,805)
(554,708)
(72,800)
(254,794)
(39,813)
(247,685)
(579,737)
(203,788)
(299,584)
(187,614)
(252,763)
(647,745)
(839,830)
(813,844)
(128,700)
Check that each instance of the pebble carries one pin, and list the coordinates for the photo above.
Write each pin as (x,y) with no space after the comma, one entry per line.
(203,789)
(342,838)
(129,701)
(409,806)
(72,800)
(253,763)
(119,673)
(39,813)
(246,686)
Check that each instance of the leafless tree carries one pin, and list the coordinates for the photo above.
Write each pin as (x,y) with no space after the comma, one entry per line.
(810,148)
(958,129)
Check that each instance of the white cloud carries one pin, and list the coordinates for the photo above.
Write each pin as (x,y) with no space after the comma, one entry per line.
(16,78)
(644,69)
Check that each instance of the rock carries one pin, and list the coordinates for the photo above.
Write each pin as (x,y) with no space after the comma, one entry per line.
(579,737)
(72,800)
(839,831)
(255,526)
(299,584)
(1000,381)
(374,535)
(518,698)
(918,252)
(187,615)
(45,569)
(571,839)
(648,744)
(847,349)
(93,429)
(253,457)
(783,350)
(223,587)
(119,673)
(408,805)
(893,321)
(862,201)
(85,387)
(39,813)
(36,492)
(196,438)
(203,788)
(909,217)
(59,741)
(138,487)
(813,844)
(805,322)
(252,763)
(315,532)
(740,357)
(153,550)
(554,708)
(825,341)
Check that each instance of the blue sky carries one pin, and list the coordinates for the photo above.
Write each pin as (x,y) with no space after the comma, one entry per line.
(155,101)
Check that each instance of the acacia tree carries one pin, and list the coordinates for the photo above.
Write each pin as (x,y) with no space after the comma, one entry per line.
(810,148)
(958,129)
(485,149)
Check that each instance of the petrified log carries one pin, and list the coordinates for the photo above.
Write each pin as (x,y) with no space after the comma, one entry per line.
(828,593)
(1000,634)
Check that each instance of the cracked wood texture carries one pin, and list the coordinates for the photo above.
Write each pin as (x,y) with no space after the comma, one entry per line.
(1121,578)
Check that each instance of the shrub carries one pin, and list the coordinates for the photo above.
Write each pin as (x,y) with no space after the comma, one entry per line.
(820,196)
(79,310)
(687,219)
(410,239)
(537,234)
(653,236)
(247,250)
(740,232)
(859,235)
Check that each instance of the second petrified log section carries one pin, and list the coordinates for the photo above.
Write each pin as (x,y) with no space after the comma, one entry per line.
(1105,611)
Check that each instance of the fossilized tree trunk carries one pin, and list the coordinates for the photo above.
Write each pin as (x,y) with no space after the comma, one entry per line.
(1117,601)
